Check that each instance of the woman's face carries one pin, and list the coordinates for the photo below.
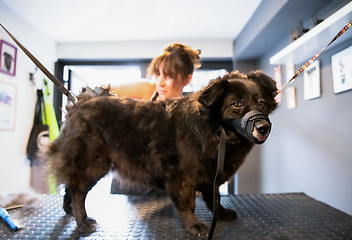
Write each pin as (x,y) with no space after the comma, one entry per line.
(168,87)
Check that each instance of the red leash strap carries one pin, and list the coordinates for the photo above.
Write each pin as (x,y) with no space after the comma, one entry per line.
(304,67)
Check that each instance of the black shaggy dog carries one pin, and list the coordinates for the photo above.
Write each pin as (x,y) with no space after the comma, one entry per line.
(170,144)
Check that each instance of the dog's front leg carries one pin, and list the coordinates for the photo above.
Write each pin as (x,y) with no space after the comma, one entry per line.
(183,196)
(208,196)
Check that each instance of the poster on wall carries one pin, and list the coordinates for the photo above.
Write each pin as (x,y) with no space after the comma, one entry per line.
(291,98)
(8,58)
(290,71)
(7,106)
(312,87)
(278,79)
(341,64)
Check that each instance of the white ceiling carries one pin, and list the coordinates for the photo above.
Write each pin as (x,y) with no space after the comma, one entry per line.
(133,20)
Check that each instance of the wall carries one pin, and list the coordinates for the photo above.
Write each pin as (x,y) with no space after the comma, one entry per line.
(140,49)
(309,148)
(14,166)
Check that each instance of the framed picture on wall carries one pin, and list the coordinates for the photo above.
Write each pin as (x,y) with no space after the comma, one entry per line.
(291,102)
(278,79)
(312,87)
(341,64)
(7,106)
(8,58)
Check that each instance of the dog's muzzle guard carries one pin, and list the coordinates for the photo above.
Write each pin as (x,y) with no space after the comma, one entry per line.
(246,125)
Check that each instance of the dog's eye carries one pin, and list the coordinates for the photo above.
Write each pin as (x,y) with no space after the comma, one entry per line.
(261,103)
(237,105)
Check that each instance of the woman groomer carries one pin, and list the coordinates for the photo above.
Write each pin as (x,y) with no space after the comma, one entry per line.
(172,71)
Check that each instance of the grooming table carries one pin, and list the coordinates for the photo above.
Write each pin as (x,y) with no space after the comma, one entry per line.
(262,216)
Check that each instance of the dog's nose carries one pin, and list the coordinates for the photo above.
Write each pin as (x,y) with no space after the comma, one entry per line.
(263,128)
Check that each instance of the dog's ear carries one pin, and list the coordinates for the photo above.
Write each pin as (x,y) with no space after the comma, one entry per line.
(213,92)
(267,84)
(263,80)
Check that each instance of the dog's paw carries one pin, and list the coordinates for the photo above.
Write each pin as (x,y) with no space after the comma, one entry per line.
(87,225)
(227,214)
(198,229)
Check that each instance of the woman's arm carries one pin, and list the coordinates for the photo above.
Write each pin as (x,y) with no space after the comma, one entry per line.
(140,90)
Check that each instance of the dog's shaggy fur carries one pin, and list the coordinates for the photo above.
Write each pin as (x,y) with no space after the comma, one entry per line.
(170,144)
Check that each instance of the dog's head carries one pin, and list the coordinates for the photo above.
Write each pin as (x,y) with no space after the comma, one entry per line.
(242,103)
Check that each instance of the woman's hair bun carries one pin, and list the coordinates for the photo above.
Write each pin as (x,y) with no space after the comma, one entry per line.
(180,49)
(176,59)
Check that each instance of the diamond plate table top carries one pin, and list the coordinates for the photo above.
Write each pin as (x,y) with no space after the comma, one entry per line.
(261,216)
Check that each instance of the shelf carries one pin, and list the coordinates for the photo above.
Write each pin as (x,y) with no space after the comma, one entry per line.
(305,47)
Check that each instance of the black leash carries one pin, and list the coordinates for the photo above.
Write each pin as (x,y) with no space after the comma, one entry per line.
(43,69)
(216,185)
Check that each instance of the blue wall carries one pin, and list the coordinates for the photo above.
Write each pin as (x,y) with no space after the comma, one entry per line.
(309,149)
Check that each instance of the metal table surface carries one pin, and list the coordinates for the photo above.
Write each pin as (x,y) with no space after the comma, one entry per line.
(262,216)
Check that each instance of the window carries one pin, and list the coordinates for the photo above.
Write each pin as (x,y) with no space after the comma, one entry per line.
(76,74)
(201,78)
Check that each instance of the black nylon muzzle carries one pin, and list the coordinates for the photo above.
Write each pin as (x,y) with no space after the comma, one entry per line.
(245,126)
